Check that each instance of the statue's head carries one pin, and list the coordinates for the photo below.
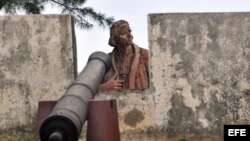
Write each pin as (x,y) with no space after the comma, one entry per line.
(116,30)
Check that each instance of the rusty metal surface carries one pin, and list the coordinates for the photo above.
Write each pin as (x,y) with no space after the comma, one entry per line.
(103,121)
(44,108)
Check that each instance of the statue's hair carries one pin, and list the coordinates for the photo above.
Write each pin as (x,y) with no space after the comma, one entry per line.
(115,30)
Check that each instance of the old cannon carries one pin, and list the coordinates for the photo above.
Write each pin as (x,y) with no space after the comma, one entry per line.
(65,121)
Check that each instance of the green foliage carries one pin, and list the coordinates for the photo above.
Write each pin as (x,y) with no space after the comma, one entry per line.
(83,15)
(29,6)
(17,138)
(183,139)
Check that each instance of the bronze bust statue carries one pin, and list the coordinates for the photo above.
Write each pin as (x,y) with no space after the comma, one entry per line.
(130,62)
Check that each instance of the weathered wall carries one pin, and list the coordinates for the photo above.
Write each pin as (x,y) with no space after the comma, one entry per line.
(200,79)
(204,69)
(199,67)
(37,62)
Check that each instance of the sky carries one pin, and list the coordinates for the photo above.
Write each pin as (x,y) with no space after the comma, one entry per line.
(136,12)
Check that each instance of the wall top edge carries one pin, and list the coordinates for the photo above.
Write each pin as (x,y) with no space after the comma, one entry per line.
(229,12)
(37,15)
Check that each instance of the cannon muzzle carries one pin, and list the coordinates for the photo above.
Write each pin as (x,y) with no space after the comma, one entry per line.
(65,121)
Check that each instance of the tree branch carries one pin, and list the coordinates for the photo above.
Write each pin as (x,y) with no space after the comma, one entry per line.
(71,9)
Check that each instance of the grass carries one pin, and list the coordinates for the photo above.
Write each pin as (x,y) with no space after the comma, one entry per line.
(182,140)
(17,138)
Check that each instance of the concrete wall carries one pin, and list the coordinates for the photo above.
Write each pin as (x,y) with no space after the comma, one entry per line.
(37,62)
(199,67)
(200,79)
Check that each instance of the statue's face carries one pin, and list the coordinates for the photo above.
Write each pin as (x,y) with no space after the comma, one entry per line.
(125,38)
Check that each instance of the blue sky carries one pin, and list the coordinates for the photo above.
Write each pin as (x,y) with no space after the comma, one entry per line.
(135,12)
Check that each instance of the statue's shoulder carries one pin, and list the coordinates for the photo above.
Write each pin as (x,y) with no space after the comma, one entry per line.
(111,54)
(144,53)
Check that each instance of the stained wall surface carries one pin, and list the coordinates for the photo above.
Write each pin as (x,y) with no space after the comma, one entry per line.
(37,62)
(199,74)
(200,79)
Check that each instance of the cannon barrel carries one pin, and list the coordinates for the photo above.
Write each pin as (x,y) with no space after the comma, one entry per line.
(66,119)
